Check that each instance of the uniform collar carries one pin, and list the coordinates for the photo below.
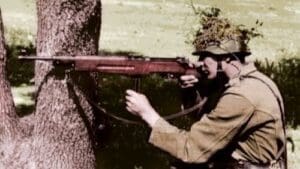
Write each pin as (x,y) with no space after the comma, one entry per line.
(246,69)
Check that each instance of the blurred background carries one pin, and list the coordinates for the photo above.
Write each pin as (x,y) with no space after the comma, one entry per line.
(163,28)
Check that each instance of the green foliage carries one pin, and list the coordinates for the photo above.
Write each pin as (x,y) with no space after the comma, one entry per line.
(252,32)
(212,28)
(19,42)
(286,73)
(120,139)
(19,37)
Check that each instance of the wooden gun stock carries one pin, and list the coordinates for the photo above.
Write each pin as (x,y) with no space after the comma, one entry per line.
(123,65)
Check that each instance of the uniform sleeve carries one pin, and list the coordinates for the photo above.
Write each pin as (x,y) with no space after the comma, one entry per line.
(213,132)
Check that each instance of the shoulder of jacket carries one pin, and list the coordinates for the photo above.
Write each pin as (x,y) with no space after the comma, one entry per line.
(246,88)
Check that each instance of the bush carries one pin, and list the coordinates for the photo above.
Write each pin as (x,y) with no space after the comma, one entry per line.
(19,42)
(286,73)
(120,139)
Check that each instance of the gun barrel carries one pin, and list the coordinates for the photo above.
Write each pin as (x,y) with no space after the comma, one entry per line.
(98,57)
(72,58)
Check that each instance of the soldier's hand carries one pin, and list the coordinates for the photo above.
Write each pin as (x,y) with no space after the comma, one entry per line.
(187,81)
(138,104)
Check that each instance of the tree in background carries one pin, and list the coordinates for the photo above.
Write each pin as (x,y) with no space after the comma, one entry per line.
(62,130)
(14,135)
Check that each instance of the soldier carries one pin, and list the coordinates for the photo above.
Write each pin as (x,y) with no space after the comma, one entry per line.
(246,127)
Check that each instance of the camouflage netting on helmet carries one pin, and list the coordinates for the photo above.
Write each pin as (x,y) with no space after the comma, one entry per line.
(215,29)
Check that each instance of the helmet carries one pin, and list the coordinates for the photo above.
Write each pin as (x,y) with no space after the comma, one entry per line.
(224,47)
(219,37)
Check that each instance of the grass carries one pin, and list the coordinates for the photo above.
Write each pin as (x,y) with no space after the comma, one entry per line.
(23,95)
(293,157)
(159,28)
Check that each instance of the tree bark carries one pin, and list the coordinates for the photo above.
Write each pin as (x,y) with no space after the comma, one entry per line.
(8,116)
(14,142)
(64,120)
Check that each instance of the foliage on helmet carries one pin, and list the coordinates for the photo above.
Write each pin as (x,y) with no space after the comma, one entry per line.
(215,29)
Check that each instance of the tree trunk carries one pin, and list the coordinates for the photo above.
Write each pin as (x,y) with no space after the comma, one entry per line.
(64,119)
(14,142)
(8,116)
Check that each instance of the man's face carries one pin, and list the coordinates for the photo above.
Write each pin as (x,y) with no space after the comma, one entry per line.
(210,67)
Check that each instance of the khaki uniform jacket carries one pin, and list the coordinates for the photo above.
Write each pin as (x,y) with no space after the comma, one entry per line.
(247,114)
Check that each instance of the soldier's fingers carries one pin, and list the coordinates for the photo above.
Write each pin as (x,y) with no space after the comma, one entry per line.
(190,64)
(131,110)
(132,107)
(187,85)
(129,104)
(190,81)
(131,92)
(194,80)
(187,77)
(130,99)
